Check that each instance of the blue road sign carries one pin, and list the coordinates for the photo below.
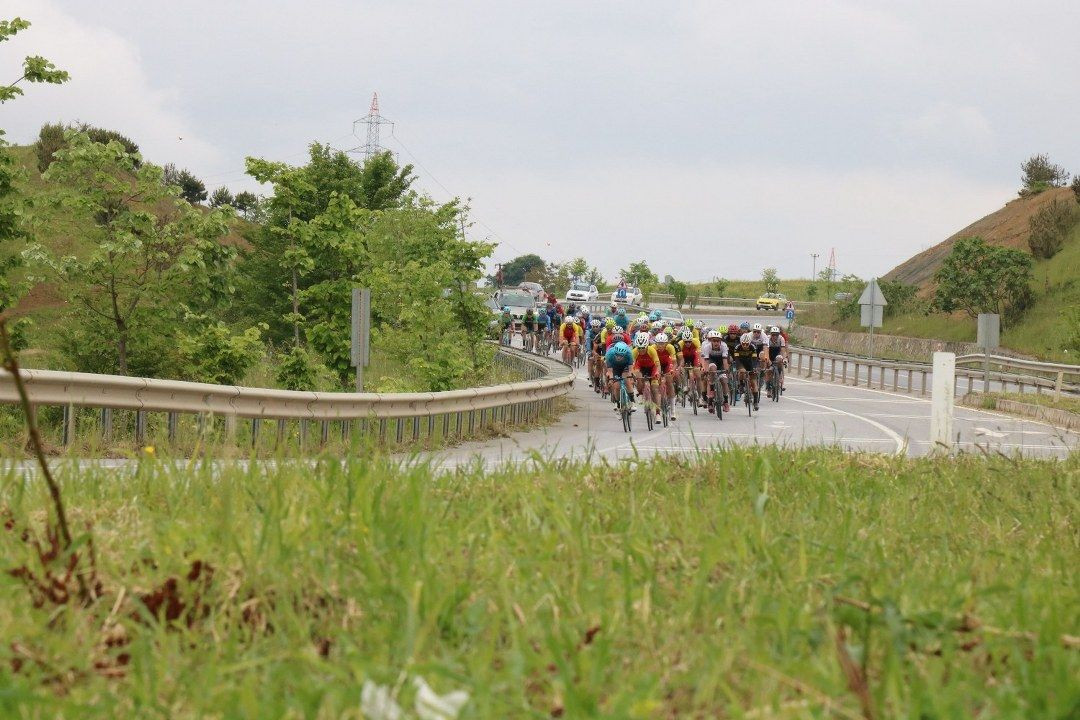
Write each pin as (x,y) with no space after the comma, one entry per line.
(790,314)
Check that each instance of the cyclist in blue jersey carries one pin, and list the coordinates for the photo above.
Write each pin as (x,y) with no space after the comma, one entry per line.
(621,320)
(618,361)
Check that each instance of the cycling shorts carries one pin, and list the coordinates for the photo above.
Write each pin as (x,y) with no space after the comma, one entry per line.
(620,370)
(745,363)
(649,371)
(774,352)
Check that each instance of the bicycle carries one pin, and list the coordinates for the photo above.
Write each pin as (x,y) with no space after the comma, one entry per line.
(744,388)
(691,392)
(776,379)
(624,403)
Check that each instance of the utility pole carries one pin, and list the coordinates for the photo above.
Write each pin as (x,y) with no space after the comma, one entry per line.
(813,274)
(373,120)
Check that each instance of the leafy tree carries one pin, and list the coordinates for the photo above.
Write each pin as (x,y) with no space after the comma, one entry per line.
(1041,174)
(1049,226)
(519,269)
(980,278)
(641,276)
(770,279)
(14,233)
(721,286)
(36,69)
(246,203)
(900,297)
(220,197)
(210,352)
(579,269)
(192,188)
(812,291)
(1076,187)
(153,258)
(678,290)
(51,138)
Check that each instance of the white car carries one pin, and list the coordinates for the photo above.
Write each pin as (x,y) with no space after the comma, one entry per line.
(633,296)
(582,292)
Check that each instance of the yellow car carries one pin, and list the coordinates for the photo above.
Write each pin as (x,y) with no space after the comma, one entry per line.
(771,301)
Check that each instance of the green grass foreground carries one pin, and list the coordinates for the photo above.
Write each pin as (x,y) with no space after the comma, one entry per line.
(744,583)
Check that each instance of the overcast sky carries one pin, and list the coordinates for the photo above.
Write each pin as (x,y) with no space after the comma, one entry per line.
(709,138)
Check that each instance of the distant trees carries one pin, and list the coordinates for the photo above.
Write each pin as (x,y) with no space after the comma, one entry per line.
(1076,187)
(522,268)
(220,197)
(678,290)
(51,138)
(1049,226)
(721,286)
(191,188)
(981,278)
(641,276)
(770,279)
(1040,174)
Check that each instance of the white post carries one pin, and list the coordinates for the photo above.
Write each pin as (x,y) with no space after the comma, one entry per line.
(942,399)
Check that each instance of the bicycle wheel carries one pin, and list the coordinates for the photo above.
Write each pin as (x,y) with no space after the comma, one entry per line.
(650,408)
(624,407)
(695,395)
(718,397)
(747,398)
(665,411)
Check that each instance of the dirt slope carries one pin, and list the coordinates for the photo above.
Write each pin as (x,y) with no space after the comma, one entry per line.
(1007,226)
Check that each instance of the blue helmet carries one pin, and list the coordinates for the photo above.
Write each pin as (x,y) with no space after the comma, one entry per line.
(621,348)
(622,311)
(744,325)
(506,309)
(655,315)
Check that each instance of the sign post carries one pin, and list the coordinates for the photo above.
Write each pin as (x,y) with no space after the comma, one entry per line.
(871,304)
(988,338)
(942,401)
(361,333)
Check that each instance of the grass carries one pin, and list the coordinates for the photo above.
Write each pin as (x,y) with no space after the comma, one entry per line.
(794,289)
(753,582)
(1065,402)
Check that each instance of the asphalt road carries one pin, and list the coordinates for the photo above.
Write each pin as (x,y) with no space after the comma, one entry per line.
(811,412)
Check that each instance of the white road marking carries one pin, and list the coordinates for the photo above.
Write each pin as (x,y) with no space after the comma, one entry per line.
(989,433)
(895,438)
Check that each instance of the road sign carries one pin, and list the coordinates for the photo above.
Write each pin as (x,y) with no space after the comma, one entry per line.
(872,295)
(790,314)
(989,332)
(870,315)
(870,304)
(361,333)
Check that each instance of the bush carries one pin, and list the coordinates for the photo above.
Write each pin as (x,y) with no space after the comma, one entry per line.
(51,138)
(1040,174)
(1049,226)
(1076,187)
(900,297)
(298,369)
(211,353)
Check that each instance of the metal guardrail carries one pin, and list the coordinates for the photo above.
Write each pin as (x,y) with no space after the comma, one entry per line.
(1023,382)
(710,301)
(514,402)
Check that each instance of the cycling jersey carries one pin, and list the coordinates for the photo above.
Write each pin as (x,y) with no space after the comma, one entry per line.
(613,336)
(530,322)
(690,351)
(715,352)
(506,320)
(647,361)
(760,341)
(570,331)
(622,321)
(776,346)
(619,361)
(666,353)
(745,357)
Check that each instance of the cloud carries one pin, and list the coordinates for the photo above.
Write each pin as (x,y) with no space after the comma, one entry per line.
(108,88)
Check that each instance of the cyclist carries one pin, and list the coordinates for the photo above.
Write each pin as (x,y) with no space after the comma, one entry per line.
(621,320)
(778,353)
(618,360)
(715,353)
(543,327)
(746,361)
(615,334)
(595,350)
(506,325)
(647,368)
(690,352)
(528,327)
(655,315)
(666,352)
(569,337)
(695,330)
(758,337)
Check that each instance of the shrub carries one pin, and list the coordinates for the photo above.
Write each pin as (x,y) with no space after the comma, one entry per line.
(1076,187)
(211,353)
(51,138)
(1049,226)
(298,369)
(1041,174)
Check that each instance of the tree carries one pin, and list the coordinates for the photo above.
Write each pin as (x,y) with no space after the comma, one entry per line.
(1041,174)
(1049,226)
(246,203)
(14,233)
(153,258)
(721,286)
(220,197)
(641,276)
(1076,187)
(192,188)
(579,269)
(211,353)
(981,278)
(812,291)
(771,279)
(678,290)
(520,269)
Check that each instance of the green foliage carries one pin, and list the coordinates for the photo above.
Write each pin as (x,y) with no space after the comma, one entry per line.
(579,269)
(210,352)
(1076,187)
(298,369)
(770,279)
(640,275)
(245,202)
(189,187)
(51,138)
(220,197)
(721,286)
(1070,335)
(900,298)
(678,290)
(153,257)
(523,267)
(36,69)
(981,278)
(1049,227)
(812,291)
(1040,174)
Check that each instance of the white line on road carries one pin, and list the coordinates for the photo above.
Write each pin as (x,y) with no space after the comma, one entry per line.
(895,438)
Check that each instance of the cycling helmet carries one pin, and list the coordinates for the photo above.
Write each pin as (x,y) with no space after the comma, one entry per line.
(757,327)
(506,309)
(713,335)
(655,315)
(657,325)
(733,328)
(622,312)
(774,329)
(609,323)
(641,340)
(614,308)
(687,334)
(745,339)
(744,325)
(669,330)
(689,322)
(621,348)
(594,324)
(661,339)
(530,311)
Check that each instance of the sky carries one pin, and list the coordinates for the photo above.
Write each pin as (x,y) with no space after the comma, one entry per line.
(707,138)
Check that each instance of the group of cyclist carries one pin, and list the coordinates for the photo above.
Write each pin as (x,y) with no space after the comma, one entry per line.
(652,352)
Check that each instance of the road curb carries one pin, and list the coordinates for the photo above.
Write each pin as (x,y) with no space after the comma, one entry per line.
(1051,416)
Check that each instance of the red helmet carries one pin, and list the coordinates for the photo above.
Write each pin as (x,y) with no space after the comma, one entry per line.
(733,328)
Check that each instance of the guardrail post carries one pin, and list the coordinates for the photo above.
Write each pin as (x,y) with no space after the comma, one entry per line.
(809,366)
(896,379)
(303,433)
(881,377)
(855,379)
(971,380)
(382,429)
(254,432)
(399,430)
(1058,383)
(170,427)
(430,426)
(415,420)
(140,427)
(798,368)
(230,428)
(324,434)
(910,387)
(346,426)
(281,426)
(843,372)
(472,420)
(922,390)
(69,424)
(457,424)
(1019,386)
(106,424)
(942,401)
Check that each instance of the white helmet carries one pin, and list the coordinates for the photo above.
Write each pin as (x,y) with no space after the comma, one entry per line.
(661,338)
(657,325)
(595,323)
(745,339)
(757,327)
(713,335)
(641,340)
(687,334)
(774,329)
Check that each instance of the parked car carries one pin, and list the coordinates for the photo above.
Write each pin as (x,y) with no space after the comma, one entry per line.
(670,315)
(535,288)
(582,292)
(771,301)
(633,296)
